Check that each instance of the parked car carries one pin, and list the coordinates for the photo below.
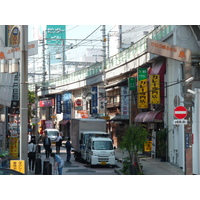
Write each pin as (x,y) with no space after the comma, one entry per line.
(6,171)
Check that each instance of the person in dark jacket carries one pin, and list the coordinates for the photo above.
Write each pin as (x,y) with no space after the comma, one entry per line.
(68,149)
(47,146)
(31,154)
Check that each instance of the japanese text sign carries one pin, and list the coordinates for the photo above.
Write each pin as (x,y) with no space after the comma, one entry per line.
(142,91)
(154,88)
(18,165)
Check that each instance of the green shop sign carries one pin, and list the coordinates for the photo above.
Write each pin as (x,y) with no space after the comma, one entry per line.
(132,83)
(142,74)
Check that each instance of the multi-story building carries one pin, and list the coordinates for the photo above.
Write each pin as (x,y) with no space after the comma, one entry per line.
(175,61)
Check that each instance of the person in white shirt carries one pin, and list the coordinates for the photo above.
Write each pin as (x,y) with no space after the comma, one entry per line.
(31,154)
(58,143)
(29,137)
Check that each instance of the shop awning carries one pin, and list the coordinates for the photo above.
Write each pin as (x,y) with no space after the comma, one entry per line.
(151,116)
(63,122)
(159,67)
(139,117)
(116,83)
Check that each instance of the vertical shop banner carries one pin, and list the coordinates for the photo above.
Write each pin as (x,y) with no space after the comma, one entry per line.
(132,83)
(102,100)
(124,102)
(142,91)
(58,104)
(154,88)
(67,105)
(13,147)
(94,100)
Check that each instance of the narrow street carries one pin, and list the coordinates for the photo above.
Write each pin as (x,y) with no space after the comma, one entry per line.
(75,167)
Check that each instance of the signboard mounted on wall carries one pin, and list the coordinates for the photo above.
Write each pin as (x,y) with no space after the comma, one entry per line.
(168,50)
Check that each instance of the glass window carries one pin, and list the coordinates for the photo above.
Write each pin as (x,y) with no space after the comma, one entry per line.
(52,133)
(102,145)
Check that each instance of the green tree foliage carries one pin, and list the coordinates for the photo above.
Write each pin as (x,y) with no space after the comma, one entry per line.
(133,141)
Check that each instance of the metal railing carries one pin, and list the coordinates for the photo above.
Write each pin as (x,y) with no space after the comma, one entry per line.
(128,54)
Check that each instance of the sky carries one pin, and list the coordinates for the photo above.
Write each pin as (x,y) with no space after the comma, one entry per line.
(76,32)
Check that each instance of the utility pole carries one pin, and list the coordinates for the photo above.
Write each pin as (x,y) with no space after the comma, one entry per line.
(104,62)
(120,38)
(188,127)
(24,95)
(104,45)
(49,66)
(63,58)
(44,69)
(108,45)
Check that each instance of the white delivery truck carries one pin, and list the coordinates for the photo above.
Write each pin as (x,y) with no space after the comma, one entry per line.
(100,151)
(81,130)
(52,133)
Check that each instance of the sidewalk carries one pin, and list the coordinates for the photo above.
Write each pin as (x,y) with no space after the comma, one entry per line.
(150,165)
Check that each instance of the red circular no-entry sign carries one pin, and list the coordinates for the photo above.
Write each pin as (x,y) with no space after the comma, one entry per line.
(180,112)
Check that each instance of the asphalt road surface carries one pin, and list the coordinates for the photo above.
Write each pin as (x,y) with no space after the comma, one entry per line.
(77,168)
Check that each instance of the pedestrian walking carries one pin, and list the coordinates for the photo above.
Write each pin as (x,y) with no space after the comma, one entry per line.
(58,143)
(68,149)
(31,154)
(47,145)
(29,137)
(58,163)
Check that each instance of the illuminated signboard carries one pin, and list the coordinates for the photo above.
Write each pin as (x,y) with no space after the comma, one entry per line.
(154,87)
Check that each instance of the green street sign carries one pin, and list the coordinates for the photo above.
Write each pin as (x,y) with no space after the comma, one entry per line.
(55,34)
(132,83)
(142,74)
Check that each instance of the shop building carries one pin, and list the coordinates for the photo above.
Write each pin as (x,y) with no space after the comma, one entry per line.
(170,64)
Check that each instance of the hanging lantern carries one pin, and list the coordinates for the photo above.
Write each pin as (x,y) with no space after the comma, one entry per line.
(4,66)
(14,66)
